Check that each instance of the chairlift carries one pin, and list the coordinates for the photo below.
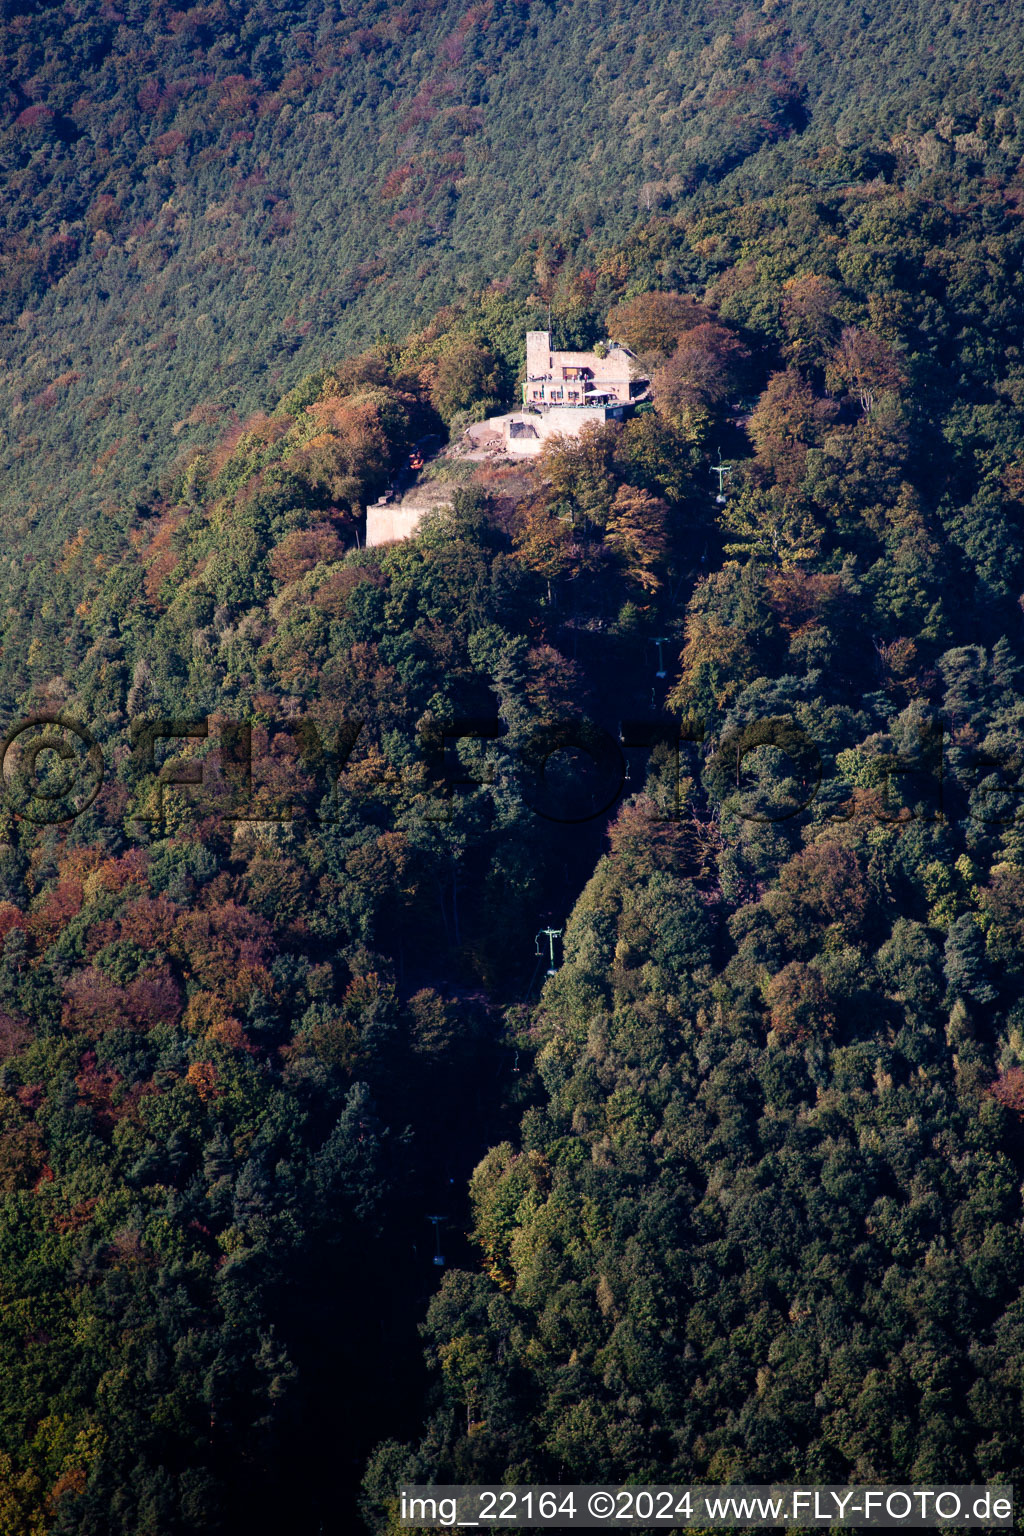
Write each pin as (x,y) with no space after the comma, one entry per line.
(438,1258)
(551,934)
(721,469)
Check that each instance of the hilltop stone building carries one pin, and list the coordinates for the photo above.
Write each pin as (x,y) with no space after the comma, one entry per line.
(522,434)
(563,393)
(397,516)
(580,380)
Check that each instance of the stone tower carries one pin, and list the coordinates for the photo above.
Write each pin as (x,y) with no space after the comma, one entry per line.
(538,354)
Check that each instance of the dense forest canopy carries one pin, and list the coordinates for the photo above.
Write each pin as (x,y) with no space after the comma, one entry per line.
(202,205)
(733,1195)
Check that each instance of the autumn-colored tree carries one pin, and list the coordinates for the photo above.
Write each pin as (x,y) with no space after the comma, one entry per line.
(700,372)
(896,659)
(10,917)
(22,1158)
(652,323)
(646,839)
(304,548)
(802,598)
(203,1077)
(581,471)
(798,1002)
(355,373)
(636,531)
(809,319)
(55,911)
(552,685)
(15,1034)
(1008,1089)
(160,553)
(358,441)
(148,921)
(543,542)
(866,366)
(821,886)
(788,419)
(104,213)
(153,997)
(224,946)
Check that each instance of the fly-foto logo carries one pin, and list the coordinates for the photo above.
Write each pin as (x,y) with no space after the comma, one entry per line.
(570,771)
(53,767)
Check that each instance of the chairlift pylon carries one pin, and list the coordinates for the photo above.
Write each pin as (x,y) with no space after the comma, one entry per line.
(551,934)
(438,1258)
(721,469)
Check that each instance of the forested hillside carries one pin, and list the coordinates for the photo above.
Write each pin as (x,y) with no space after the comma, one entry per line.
(201,205)
(733,1195)
(764,1220)
(747,1189)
